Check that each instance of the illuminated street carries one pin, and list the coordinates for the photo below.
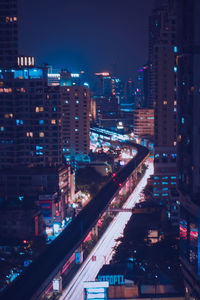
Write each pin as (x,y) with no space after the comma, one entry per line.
(103,250)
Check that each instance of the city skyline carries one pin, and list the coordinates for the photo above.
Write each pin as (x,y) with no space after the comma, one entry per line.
(85,35)
(99,149)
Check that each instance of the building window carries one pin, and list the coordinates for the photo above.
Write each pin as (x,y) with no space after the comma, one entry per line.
(29,134)
(41,134)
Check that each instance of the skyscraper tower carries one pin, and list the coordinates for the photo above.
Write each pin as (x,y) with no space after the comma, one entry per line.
(163,51)
(188,142)
(8,33)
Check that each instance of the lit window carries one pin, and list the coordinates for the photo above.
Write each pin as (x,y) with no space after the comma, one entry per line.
(179,138)
(41,122)
(53,122)
(174,143)
(164,102)
(39,153)
(175,49)
(2,128)
(174,102)
(66,101)
(76,118)
(76,129)
(38,147)
(7,90)
(41,134)
(29,134)
(77,102)
(175,69)
(8,116)
(19,122)
(39,109)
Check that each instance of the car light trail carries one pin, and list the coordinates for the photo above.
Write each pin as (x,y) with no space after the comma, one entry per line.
(103,251)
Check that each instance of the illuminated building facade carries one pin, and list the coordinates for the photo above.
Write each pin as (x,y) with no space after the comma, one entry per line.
(30,119)
(30,142)
(163,45)
(103,84)
(75,120)
(188,142)
(25,61)
(8,33)
(143,123)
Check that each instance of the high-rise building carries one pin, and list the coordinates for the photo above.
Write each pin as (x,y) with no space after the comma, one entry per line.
(143,123)
(8,33)
(127,96)
(163,44)
(103,84)
(188,142)
(141,87)
(75,120)
(30,119)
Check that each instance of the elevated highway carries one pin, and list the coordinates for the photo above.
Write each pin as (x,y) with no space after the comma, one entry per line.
(31,284)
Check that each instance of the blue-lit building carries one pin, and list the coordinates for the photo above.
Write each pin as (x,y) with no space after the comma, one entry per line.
(188,142)
(162,90)
(32,165)
(30,126)
(102,84)
(66,78)
(141,87)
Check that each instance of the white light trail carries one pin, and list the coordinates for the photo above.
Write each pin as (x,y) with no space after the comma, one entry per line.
(104,248)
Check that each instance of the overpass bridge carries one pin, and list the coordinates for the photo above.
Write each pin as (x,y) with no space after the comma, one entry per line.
(32,284)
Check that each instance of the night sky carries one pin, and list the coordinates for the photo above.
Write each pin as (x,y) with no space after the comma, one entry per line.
(90,35)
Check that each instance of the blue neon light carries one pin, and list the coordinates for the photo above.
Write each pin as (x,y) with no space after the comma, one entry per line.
(39,147)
